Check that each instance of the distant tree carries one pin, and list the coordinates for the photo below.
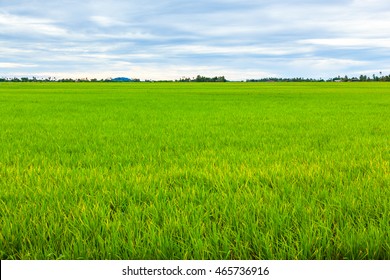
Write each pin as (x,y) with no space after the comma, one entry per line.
(184,79)
(203,79)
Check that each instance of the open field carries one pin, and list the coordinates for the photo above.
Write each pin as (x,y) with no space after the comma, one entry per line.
(195,171)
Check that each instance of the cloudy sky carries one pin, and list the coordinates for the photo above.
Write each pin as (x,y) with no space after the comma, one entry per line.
(168,39)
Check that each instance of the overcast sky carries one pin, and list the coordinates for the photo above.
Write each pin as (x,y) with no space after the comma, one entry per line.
(168,39)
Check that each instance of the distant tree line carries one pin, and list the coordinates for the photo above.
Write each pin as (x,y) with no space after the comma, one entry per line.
(199,78)
(274,79)
(203,79)
(65,80)
(361,78)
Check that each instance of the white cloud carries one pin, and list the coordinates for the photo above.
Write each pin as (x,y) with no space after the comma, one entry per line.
(16,65)
(320,63)
(235,50)
(107,21)
(124,35)
(11,24)
(349,42)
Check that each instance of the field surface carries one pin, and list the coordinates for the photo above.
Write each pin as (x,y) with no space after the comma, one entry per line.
(195,171)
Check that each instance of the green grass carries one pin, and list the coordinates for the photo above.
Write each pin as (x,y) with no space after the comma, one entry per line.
(195,171)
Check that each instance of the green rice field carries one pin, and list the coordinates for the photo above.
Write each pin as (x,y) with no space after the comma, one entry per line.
(238,171)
